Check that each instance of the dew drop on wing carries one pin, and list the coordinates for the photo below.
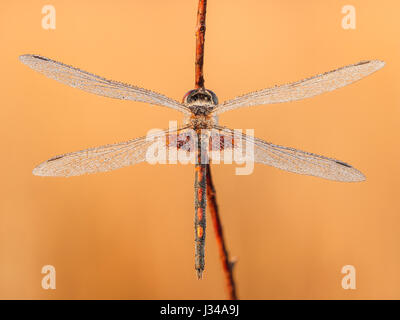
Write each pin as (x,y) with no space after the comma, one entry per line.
(343,164)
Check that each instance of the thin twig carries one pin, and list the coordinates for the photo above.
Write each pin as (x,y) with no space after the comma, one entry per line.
(227,265)
(200,34)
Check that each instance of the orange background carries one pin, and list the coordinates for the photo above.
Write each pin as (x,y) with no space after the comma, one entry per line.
(129,233)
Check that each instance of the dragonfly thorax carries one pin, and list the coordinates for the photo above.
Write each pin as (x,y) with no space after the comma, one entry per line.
(201,103)
(201,121)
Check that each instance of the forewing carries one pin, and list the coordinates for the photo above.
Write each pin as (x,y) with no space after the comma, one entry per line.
(89,82)
(293,160)
(99,159)
(304,88)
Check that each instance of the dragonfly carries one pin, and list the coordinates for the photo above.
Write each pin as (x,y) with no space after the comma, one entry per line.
(201,109)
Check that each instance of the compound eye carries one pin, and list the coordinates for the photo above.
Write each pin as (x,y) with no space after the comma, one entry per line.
(186,97)
(212,96)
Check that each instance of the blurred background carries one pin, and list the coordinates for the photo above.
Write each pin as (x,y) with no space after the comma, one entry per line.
(128,234)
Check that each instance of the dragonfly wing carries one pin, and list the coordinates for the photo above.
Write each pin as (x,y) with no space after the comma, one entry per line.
(89,82)
(104,158)
(293,160)
(304,88)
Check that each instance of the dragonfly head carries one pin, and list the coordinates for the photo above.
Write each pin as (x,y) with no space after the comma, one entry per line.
(200,101)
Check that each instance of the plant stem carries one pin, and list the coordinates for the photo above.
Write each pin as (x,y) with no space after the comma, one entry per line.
(227,265)
(200,34)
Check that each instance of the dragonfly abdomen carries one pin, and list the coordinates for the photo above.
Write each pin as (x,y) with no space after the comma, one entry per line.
(200,202)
